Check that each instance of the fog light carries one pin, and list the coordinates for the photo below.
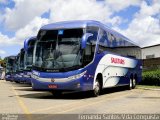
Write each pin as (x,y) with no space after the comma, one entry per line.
(78,85)
(32,84)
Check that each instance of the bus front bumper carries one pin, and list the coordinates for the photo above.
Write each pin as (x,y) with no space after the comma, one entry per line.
(74,85)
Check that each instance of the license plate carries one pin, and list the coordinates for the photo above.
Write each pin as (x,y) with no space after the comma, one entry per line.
(52,86)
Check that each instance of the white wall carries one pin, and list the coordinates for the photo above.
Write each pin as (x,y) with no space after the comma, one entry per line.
(150,51)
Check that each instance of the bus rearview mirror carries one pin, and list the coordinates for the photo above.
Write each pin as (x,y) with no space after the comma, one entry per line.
(84,39)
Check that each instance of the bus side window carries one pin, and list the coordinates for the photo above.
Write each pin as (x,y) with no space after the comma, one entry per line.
(103,41)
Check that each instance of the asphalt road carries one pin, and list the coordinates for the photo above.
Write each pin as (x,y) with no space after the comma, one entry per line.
(21,99)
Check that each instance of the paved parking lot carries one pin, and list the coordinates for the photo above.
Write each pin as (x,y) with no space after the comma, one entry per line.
(20,98)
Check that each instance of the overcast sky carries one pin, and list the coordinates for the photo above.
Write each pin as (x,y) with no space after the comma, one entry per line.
(139,20)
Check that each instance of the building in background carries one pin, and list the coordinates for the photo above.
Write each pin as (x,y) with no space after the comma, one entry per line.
(151,52)
(151,57)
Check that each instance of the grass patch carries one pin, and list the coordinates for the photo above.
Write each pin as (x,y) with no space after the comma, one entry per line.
(151,78)
(148,86)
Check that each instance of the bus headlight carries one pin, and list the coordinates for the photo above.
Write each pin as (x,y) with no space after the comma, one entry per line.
(76,76)
(34,76)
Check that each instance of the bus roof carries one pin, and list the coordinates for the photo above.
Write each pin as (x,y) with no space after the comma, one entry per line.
(10,57)
(69,24)
(83,24)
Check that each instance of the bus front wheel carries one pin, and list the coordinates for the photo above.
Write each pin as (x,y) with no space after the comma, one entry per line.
(97,88)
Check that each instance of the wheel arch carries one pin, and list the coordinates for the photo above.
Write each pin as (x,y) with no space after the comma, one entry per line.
(131,76)
(100,78)
(136,77)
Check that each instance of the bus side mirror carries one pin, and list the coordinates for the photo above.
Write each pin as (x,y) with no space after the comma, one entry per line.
(84,39)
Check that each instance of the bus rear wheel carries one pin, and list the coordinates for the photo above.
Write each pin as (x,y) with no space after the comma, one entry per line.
(132,83)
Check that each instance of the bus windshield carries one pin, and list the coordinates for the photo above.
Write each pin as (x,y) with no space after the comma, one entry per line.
(9,65)
(21,61)
(58,49)
(29,57)
(14,66)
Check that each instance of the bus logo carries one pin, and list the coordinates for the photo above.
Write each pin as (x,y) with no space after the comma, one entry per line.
(52,80)
(117,60)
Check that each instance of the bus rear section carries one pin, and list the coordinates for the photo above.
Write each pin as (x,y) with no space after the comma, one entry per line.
(120,64)
(83,56)
(115,70)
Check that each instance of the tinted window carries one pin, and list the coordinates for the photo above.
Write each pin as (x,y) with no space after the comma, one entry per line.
(116,45)
(58,50)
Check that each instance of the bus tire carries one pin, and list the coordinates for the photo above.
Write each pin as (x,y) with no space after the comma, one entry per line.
(130,84)
(97,90)
(133,83)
